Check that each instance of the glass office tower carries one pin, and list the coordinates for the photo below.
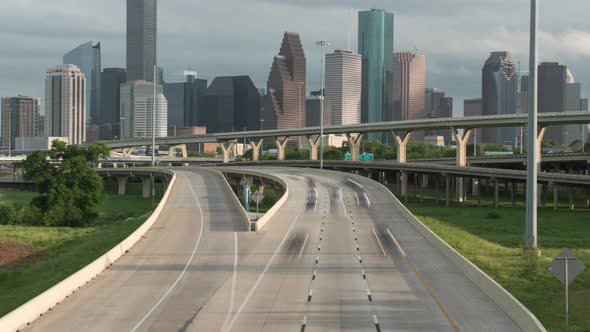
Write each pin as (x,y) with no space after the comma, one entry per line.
(142,34)
(375,44)
(87,58)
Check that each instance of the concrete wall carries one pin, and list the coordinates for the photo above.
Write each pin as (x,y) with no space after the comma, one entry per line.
(28,312)
(507,303)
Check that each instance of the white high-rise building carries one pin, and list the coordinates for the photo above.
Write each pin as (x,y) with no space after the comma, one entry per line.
(144,108)
(343,87)
(65,103)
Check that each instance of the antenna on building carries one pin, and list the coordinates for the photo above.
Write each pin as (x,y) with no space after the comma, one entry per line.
(349,27)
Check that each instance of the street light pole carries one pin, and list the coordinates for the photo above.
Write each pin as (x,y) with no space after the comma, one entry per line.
(9,132)
(154,122)
(532,161)
(321,44)
(300,125)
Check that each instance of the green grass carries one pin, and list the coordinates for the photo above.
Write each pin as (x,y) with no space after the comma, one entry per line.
(59,252)
(495,245)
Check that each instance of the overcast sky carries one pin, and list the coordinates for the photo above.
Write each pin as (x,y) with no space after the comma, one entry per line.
(240,37)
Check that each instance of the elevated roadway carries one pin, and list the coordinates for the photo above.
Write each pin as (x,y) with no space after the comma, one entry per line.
(337,256)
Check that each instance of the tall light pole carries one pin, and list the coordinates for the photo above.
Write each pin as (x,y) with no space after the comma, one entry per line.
(300,125)
(9,132)
(322,44)
(532,161)
(154,122)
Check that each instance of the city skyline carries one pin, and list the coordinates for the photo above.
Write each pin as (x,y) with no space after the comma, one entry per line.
(452,68)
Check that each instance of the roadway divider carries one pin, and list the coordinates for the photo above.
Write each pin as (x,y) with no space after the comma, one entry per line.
(262,221)
(506,301)
(36,307)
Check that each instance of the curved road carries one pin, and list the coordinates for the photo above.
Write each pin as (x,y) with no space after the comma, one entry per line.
(338,256)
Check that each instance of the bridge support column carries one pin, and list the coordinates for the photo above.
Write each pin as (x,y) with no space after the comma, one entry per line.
(226,147)
(496,194)
(513,194)
(587,198)
(404,185)
(555,196)
(572,198)
(127,152)
(401,140)
(282,146)
(355,145)
(448,187)
(122,184)
(461,139)
(382,178)
(256,146)
(147,186)
(314,145)
(173,149)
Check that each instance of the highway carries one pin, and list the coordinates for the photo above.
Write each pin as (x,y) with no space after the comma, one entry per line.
(338,256)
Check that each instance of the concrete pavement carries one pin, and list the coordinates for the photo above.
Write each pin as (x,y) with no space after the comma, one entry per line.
(338,256)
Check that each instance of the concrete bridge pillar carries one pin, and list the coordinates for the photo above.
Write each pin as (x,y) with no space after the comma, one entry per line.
(496,193)
(461,139)
(256,146)
(401,140)
(282,146)
(147,186)
(404,185)
(127,152)
(540,138)
(572,198)
(173,149)
(355,145)
(122,184)
(314,144)
(555,196)
(226,147)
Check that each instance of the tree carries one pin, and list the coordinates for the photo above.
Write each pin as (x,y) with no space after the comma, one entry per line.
(69,190)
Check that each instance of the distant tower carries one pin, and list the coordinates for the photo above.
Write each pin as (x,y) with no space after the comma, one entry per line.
(343,87)
(409,84)
(375,44)
(19,117)
(136,110)
(65,103)
(87,57)
(553,90)
(500,82)
(142,33)
(284,103)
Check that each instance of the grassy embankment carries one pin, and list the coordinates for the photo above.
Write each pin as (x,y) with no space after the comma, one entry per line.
(493,240)
(36,258)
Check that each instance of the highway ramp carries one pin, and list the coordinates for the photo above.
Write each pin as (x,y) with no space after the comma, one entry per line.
(338,256)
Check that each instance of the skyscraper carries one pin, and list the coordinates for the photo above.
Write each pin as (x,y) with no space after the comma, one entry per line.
(135,95)
(343,87)
(87,57)
(409,84)
(184,100)
(19,118)
(142,34)
(284,102)
(231,103)
(437,105)
(375,44)
(499,95)
(552,98)
(473,107)
(143,115)
(110,116)
(65,103)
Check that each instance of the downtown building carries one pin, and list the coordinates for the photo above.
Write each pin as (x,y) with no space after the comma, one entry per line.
(142,31)
(437,106)
(500,83)
(137,101)
(231,103)
(87,57)
(343,84)
(109,118)
(409,84)
(284,102)
(375,45)
(65,103)
(554,86)
(19,118)
(184,101)
(473,107)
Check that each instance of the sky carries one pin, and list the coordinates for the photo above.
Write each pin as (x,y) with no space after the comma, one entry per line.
(240,37)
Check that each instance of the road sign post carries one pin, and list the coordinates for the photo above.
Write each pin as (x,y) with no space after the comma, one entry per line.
(566,267)
(257,197)
(246,183)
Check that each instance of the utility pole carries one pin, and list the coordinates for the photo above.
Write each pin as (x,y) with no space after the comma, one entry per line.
(532,162)
(321,44)
(154,122)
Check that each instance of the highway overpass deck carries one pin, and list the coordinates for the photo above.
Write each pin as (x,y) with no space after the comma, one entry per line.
(339,255)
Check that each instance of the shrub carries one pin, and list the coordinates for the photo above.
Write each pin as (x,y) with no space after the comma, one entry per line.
(8,215)
(493,215)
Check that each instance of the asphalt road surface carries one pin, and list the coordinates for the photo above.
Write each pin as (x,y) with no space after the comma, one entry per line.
(338,256)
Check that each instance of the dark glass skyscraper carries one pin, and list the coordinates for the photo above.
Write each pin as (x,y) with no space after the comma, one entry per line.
(184,101)
(142,33)
(284,103)
(87,57)
(375,44)
(552,97)
(231,104)
(500,82)
(109,116)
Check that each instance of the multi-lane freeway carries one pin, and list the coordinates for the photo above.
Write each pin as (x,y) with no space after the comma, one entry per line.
(337,256)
